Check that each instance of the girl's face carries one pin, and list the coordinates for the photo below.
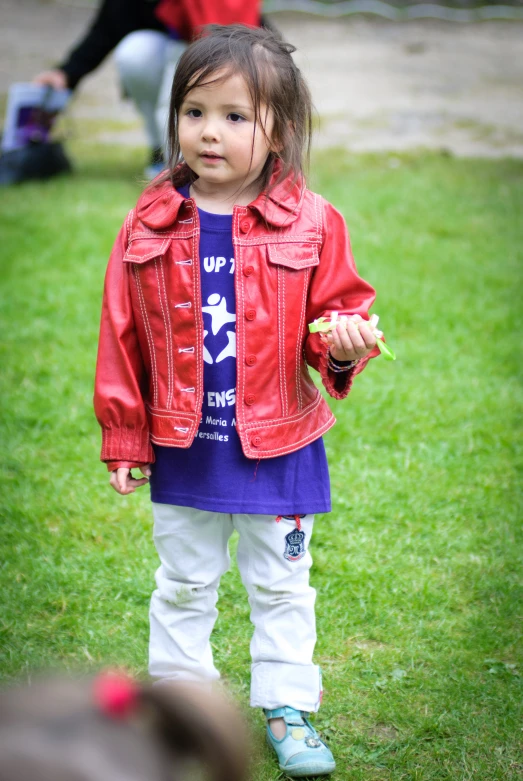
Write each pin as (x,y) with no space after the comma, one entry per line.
(218,136)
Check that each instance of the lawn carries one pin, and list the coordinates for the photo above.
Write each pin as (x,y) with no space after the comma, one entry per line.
(418,567)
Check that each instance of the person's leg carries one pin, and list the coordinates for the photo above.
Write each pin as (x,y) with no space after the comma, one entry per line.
(274,563)
(193,550)
(140,58)
(282,611)
(174,51)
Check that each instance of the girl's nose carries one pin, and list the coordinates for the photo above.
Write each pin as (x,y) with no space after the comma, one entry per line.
(210,131)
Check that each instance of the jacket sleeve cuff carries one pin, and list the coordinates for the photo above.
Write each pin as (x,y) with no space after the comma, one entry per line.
(338,384)
(126,445)
(112,465)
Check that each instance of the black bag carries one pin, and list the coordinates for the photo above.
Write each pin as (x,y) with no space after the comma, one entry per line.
(40,158)
(34,161)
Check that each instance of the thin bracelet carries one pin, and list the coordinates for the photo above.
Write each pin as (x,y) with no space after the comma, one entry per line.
(339,367)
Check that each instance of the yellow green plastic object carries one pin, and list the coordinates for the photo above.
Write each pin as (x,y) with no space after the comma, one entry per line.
(325,324)
(385,350)
(321,324)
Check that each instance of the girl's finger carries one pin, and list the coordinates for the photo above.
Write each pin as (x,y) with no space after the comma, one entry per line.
(121,478)
(137,482)
(115,483)
(356,338)
(336,340)
(368,337)
(344,340)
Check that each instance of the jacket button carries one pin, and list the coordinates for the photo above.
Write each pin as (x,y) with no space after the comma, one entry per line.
(250,314)
(251,360)
(244,226)
(248,270)
(256,441)
(250,399)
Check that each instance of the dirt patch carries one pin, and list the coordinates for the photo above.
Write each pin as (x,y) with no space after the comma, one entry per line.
(368,645)
(377,85)
(382,733)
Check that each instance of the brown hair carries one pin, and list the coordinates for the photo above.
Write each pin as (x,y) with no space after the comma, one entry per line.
(264,59)
(59,730)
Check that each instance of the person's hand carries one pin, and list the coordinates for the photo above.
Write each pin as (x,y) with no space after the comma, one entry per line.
(124,483)
(56,79)
(349,340)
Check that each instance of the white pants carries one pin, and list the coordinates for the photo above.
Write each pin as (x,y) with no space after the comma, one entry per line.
(193,550)
(146,61)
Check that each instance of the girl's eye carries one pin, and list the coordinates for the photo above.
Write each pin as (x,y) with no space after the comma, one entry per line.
(194,112)
(236,117)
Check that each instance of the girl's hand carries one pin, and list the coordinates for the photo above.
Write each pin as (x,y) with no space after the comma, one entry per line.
(124,483)
(349,341)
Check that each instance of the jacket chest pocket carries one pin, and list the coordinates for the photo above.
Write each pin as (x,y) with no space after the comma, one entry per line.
(294,257)
(142,250)
(293,264)
(145,260)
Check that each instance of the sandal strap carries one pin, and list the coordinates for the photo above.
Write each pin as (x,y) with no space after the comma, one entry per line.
(286,713)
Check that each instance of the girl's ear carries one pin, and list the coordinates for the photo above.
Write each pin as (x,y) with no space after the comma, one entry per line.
(277,143)
(194,722)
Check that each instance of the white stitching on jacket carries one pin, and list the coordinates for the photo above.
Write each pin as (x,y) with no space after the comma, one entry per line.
(289,421)
(295,445)
(281,339)
(240,327)
(148,331)
(168,336)
(294,238)
(300,336)
(162,234)
(197,329)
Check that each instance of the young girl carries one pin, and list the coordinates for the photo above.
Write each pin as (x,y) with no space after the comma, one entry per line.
(202,378)
(113,729)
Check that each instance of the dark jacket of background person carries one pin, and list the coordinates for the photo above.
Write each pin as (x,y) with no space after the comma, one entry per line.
(115,19)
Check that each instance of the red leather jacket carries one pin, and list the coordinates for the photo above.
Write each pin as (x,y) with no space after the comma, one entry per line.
(293,263)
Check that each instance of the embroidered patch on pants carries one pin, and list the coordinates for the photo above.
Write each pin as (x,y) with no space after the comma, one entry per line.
(294,545)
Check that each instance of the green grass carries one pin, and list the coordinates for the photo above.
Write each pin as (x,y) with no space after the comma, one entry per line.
(418,567)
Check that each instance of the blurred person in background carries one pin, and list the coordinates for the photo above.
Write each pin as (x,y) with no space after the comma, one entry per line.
(148,38)
(113,729)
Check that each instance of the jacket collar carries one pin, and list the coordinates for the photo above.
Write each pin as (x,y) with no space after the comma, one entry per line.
(158,206)
(283,204)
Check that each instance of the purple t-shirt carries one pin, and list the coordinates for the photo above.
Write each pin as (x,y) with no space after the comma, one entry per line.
(214,474)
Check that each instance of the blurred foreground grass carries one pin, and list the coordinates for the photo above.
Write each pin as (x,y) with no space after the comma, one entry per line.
(418,567)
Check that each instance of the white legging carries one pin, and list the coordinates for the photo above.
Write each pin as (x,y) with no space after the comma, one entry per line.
(193,550)
(146,61)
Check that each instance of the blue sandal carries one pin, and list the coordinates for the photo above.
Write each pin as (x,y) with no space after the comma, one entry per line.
(300,753)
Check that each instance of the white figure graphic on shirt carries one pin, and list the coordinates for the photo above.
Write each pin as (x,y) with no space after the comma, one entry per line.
(218,312)
(206,354)
(230,350)
(217,309)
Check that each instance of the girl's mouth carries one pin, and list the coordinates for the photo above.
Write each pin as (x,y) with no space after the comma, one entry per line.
(211,157)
